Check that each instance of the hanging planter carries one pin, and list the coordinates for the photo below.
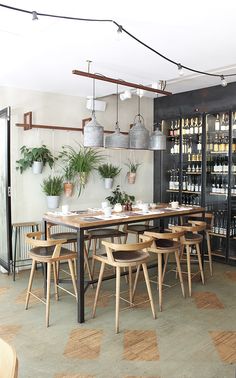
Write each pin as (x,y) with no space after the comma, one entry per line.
(53,188)
(37,167)
(131,174)
(108,172)
(36,157)
(68,188)
(53,202)
(83,178)
(131,177)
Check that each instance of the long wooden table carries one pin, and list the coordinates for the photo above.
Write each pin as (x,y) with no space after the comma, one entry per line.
(86,220)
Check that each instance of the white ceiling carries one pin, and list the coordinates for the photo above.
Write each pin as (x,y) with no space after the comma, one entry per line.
(41,54)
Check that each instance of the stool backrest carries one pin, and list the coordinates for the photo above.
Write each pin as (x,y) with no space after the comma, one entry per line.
(34,239)
(8,361)
(112,247)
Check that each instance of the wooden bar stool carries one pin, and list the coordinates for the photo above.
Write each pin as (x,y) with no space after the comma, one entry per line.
(192,239)
(209,219)
(138,229)
(165,244)
(71,238)
(49,252)
(124,256)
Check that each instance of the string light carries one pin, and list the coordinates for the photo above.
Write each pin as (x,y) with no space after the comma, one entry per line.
(223,81)
(180,70)
(120,30)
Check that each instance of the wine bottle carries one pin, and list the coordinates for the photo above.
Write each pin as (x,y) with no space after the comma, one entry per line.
(217,123)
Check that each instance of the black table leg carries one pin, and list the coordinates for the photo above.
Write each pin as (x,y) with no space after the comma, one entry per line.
(80,275)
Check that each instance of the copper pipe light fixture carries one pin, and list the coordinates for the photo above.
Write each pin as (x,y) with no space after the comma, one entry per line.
(93,131)
(117,140)
(138,134)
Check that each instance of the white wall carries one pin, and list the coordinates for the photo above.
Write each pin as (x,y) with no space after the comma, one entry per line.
(28,201)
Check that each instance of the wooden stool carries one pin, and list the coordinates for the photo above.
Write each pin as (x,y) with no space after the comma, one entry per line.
(138,229)
(165,244)
(124,256)
(209,218)
(190,239)
(71,238)
(49,252)
(99,234)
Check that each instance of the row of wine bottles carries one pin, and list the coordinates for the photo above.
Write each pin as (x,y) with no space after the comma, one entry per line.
(189,126)
(220,221)
(188,146)
(187,199)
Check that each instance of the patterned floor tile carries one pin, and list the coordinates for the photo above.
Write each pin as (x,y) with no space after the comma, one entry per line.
(103,299)
(21,297)
(64,375)
(3,290)
(84,344)
(225,343)
(231,275)
(207,300)
(8,332)
(140,346)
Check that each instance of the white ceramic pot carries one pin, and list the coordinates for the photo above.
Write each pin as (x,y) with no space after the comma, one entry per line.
(131,177)
(37,167)
(118,208)
(53,202)
(108,183)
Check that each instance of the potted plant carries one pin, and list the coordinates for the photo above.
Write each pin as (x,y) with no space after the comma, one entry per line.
(131,174)
(69,176)
(120,197)
(53,188)
(82,162)
(108,172)
(36,157)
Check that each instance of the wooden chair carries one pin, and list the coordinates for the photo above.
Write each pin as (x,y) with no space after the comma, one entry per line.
(71,238)
(164,245)
(209,219)
(49,252)
(8,361)
(100,234)
(124,256)
(192,239)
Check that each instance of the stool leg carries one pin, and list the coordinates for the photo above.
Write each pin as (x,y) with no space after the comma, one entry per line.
(200,262)
(94,253)
(189,270)
(117,297)
(87,263)
(55,280)
(48,293)
(98,289)
(136,280)
(165,265)
(145,271)
(209,252)
(72,273)
(179,271)
(159,256)
(130,287)
(30,284)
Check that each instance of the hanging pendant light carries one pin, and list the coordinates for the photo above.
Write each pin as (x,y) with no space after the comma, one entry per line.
(117,140)
(93,131)
(157,141)
(138,134)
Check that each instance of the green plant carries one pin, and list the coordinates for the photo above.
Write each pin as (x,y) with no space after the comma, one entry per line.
(69,173)
(29,155)
(53,186)
(132,166)
(108,170)
(120,197)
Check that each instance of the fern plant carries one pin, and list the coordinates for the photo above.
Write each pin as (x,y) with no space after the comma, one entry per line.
(53,186)
(108,170)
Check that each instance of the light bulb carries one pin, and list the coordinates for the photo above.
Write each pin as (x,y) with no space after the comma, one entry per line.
(140,92)
(119,33)
(34,16)
(127,94)
(223,81)
(180,70)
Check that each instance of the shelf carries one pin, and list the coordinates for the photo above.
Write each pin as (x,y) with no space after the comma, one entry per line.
(220,173)
(217,254)
(218,153)
(219,194)
(232,257)
(191,192)
(193,173)
(172,190)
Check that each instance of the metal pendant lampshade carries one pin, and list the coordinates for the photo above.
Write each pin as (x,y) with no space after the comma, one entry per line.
(93,133)
(117,140)
(139,135)
(157,141)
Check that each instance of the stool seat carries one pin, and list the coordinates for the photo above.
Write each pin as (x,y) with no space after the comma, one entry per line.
(140,228)
(165,243)
(71,237)
(38,252)
(130,256)
(193,237)
(105,233)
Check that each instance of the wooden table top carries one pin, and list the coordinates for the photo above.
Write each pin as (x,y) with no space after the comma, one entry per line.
(85,219)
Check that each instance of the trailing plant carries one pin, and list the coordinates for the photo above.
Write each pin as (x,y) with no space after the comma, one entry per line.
(53,186)
(119,196)
(108,170)
(29,155)
(132,166)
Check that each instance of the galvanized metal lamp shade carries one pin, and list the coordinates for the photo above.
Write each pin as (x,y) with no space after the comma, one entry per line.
(157,141)
(138,136)
(93,133)
(117,140)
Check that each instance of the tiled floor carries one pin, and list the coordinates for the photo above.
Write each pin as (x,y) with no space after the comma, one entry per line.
(193,337)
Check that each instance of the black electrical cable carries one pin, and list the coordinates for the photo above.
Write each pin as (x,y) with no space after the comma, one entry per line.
(121,29)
